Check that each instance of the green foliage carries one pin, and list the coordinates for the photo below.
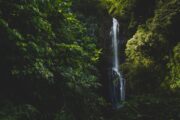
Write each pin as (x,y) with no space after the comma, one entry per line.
(48,56)
(152,47)
(9,111)
(174,66)
(120,7)
(149,107)
(64,115)
(130,13)
(137,47)
(150,28)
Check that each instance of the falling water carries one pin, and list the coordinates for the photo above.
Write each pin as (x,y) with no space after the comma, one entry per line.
(118,83)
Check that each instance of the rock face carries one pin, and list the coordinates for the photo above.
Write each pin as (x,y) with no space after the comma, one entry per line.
(104,42)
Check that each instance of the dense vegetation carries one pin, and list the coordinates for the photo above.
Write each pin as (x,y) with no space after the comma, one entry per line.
(54,53)
(152,65)
(48,59)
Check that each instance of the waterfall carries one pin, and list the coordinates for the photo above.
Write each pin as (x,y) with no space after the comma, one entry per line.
(117,82)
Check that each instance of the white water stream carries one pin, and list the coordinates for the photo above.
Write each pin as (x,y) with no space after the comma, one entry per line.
(118,83)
